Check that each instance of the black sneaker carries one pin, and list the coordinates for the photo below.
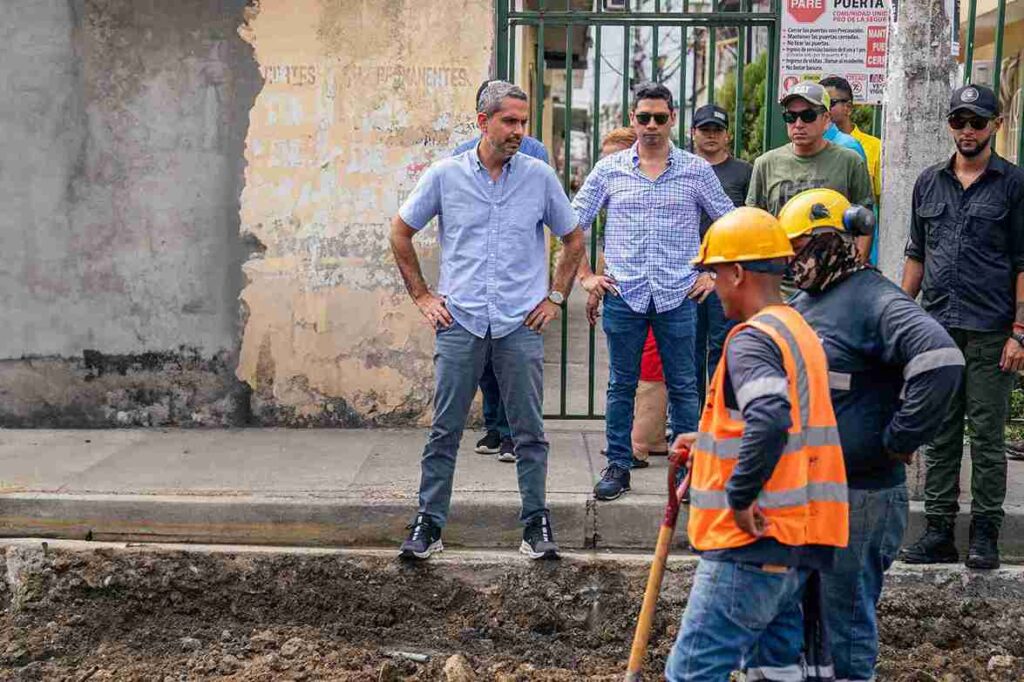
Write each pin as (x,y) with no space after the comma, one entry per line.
(539,539)
(936,546)
(424,540)
(507,451)
(640,463)
(488,445)
(984,550)
(614,481)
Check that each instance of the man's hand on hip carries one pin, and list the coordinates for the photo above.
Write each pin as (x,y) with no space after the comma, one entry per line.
(1013,356)
(702,288)
(433,308)
(599,285)
(751,520)
(593,308)
(540,316)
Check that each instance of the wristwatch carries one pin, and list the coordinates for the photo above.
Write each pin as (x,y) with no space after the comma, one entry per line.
(556,297)
(1018,337)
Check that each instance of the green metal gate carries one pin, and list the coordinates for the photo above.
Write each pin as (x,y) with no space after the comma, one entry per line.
(680,43)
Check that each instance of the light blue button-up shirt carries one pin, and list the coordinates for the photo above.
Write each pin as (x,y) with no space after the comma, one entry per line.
(653,227)
(494,264)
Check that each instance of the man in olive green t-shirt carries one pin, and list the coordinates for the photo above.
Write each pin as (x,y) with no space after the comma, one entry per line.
(809,161)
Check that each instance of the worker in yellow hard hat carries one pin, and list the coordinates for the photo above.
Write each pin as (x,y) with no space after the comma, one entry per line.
(768,488)
(893,370)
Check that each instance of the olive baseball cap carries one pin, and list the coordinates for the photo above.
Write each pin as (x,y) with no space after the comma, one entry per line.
(809,91)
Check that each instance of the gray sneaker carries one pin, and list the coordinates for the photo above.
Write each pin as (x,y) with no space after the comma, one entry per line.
(539,539)
(507,451)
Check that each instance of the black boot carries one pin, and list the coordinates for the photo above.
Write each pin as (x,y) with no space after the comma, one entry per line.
(936,546)
(984,551)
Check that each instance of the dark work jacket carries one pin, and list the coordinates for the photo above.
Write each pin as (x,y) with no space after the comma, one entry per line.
(893,371)
(971,243)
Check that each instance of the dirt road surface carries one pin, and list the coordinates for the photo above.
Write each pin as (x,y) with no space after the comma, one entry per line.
(144,613)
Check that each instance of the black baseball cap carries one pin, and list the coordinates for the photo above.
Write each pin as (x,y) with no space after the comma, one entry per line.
(710,113)
(974,98)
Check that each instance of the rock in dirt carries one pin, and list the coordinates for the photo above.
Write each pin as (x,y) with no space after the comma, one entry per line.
(190,644)
(457,669)
(292,647)
(1000,662)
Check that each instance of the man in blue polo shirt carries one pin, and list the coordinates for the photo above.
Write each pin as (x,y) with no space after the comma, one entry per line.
(490,203)
(498,438)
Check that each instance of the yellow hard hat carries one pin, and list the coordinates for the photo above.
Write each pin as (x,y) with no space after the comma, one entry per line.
(813,210)
(743,234)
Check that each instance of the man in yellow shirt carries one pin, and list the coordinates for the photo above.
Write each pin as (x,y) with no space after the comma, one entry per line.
(842,112)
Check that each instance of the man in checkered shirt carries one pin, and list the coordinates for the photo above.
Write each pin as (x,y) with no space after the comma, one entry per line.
(653,193)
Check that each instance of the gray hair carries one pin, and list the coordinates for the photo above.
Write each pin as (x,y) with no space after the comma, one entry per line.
(494,93)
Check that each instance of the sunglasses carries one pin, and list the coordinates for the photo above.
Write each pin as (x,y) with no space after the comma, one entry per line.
(841,101)
(976,122)
(807,116)
(643,118)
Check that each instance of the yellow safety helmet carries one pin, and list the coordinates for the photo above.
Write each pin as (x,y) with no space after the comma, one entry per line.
(743,234)
(814,210)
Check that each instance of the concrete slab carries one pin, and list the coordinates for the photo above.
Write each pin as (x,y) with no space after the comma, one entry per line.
(47,460)
(237,461)
(327,488)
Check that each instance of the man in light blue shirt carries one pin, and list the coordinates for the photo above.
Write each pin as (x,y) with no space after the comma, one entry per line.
(498,438)
(654,193)
(493,302)
(836,136)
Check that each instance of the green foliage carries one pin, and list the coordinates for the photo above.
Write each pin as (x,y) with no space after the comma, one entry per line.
(864,118)
(753,98)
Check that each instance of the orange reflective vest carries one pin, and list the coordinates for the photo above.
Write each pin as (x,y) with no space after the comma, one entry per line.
(805,499)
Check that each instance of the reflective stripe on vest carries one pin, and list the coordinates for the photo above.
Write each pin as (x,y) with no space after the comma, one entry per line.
(812,492)
(729,448)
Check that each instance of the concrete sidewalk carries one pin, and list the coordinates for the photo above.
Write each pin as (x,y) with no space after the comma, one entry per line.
(323,488)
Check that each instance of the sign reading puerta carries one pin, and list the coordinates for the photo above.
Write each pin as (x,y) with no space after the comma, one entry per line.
(835,38)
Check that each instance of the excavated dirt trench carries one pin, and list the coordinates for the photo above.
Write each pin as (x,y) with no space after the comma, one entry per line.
(151,614)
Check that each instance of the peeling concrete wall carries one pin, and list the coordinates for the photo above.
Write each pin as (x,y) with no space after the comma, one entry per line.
(360,96)
(124,124)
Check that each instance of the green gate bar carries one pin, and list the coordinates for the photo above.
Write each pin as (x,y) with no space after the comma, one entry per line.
(566,182)
(740,108)
(712,50)
(972,17)
(595,125)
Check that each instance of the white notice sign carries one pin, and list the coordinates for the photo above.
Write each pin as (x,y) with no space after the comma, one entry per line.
(835,38)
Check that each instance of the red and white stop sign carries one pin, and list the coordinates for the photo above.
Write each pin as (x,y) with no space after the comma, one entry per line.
(805,11)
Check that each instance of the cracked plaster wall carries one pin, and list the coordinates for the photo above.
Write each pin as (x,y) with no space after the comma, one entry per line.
(124,123)
(359,97)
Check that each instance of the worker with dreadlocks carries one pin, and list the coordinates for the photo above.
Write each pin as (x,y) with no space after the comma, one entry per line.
(768,485)
(893,371)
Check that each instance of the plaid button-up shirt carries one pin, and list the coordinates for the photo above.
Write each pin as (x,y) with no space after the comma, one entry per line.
(652,230)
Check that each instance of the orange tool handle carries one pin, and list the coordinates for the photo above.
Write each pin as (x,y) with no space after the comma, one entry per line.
(668,527)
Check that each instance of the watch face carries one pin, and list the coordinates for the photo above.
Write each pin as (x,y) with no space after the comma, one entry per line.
(556,297)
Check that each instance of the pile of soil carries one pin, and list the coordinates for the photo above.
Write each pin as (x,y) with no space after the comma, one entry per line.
(148,614)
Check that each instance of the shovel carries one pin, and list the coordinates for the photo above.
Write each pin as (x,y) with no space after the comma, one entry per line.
(668,527)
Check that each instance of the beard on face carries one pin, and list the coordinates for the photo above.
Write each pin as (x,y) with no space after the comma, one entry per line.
(971,148)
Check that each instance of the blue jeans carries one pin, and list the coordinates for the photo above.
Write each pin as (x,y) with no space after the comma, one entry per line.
(626,332)
(878,519)
(712,328)
(494,410)
(459,361)
(734,609)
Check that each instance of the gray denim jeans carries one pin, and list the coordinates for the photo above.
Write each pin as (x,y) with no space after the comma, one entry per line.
(459,360)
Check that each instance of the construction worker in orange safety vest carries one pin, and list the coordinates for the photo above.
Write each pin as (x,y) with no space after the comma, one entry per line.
(768,496)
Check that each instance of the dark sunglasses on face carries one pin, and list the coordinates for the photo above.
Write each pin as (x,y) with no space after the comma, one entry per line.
(841,101)
(976,122)
(807,116)
(643,118)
